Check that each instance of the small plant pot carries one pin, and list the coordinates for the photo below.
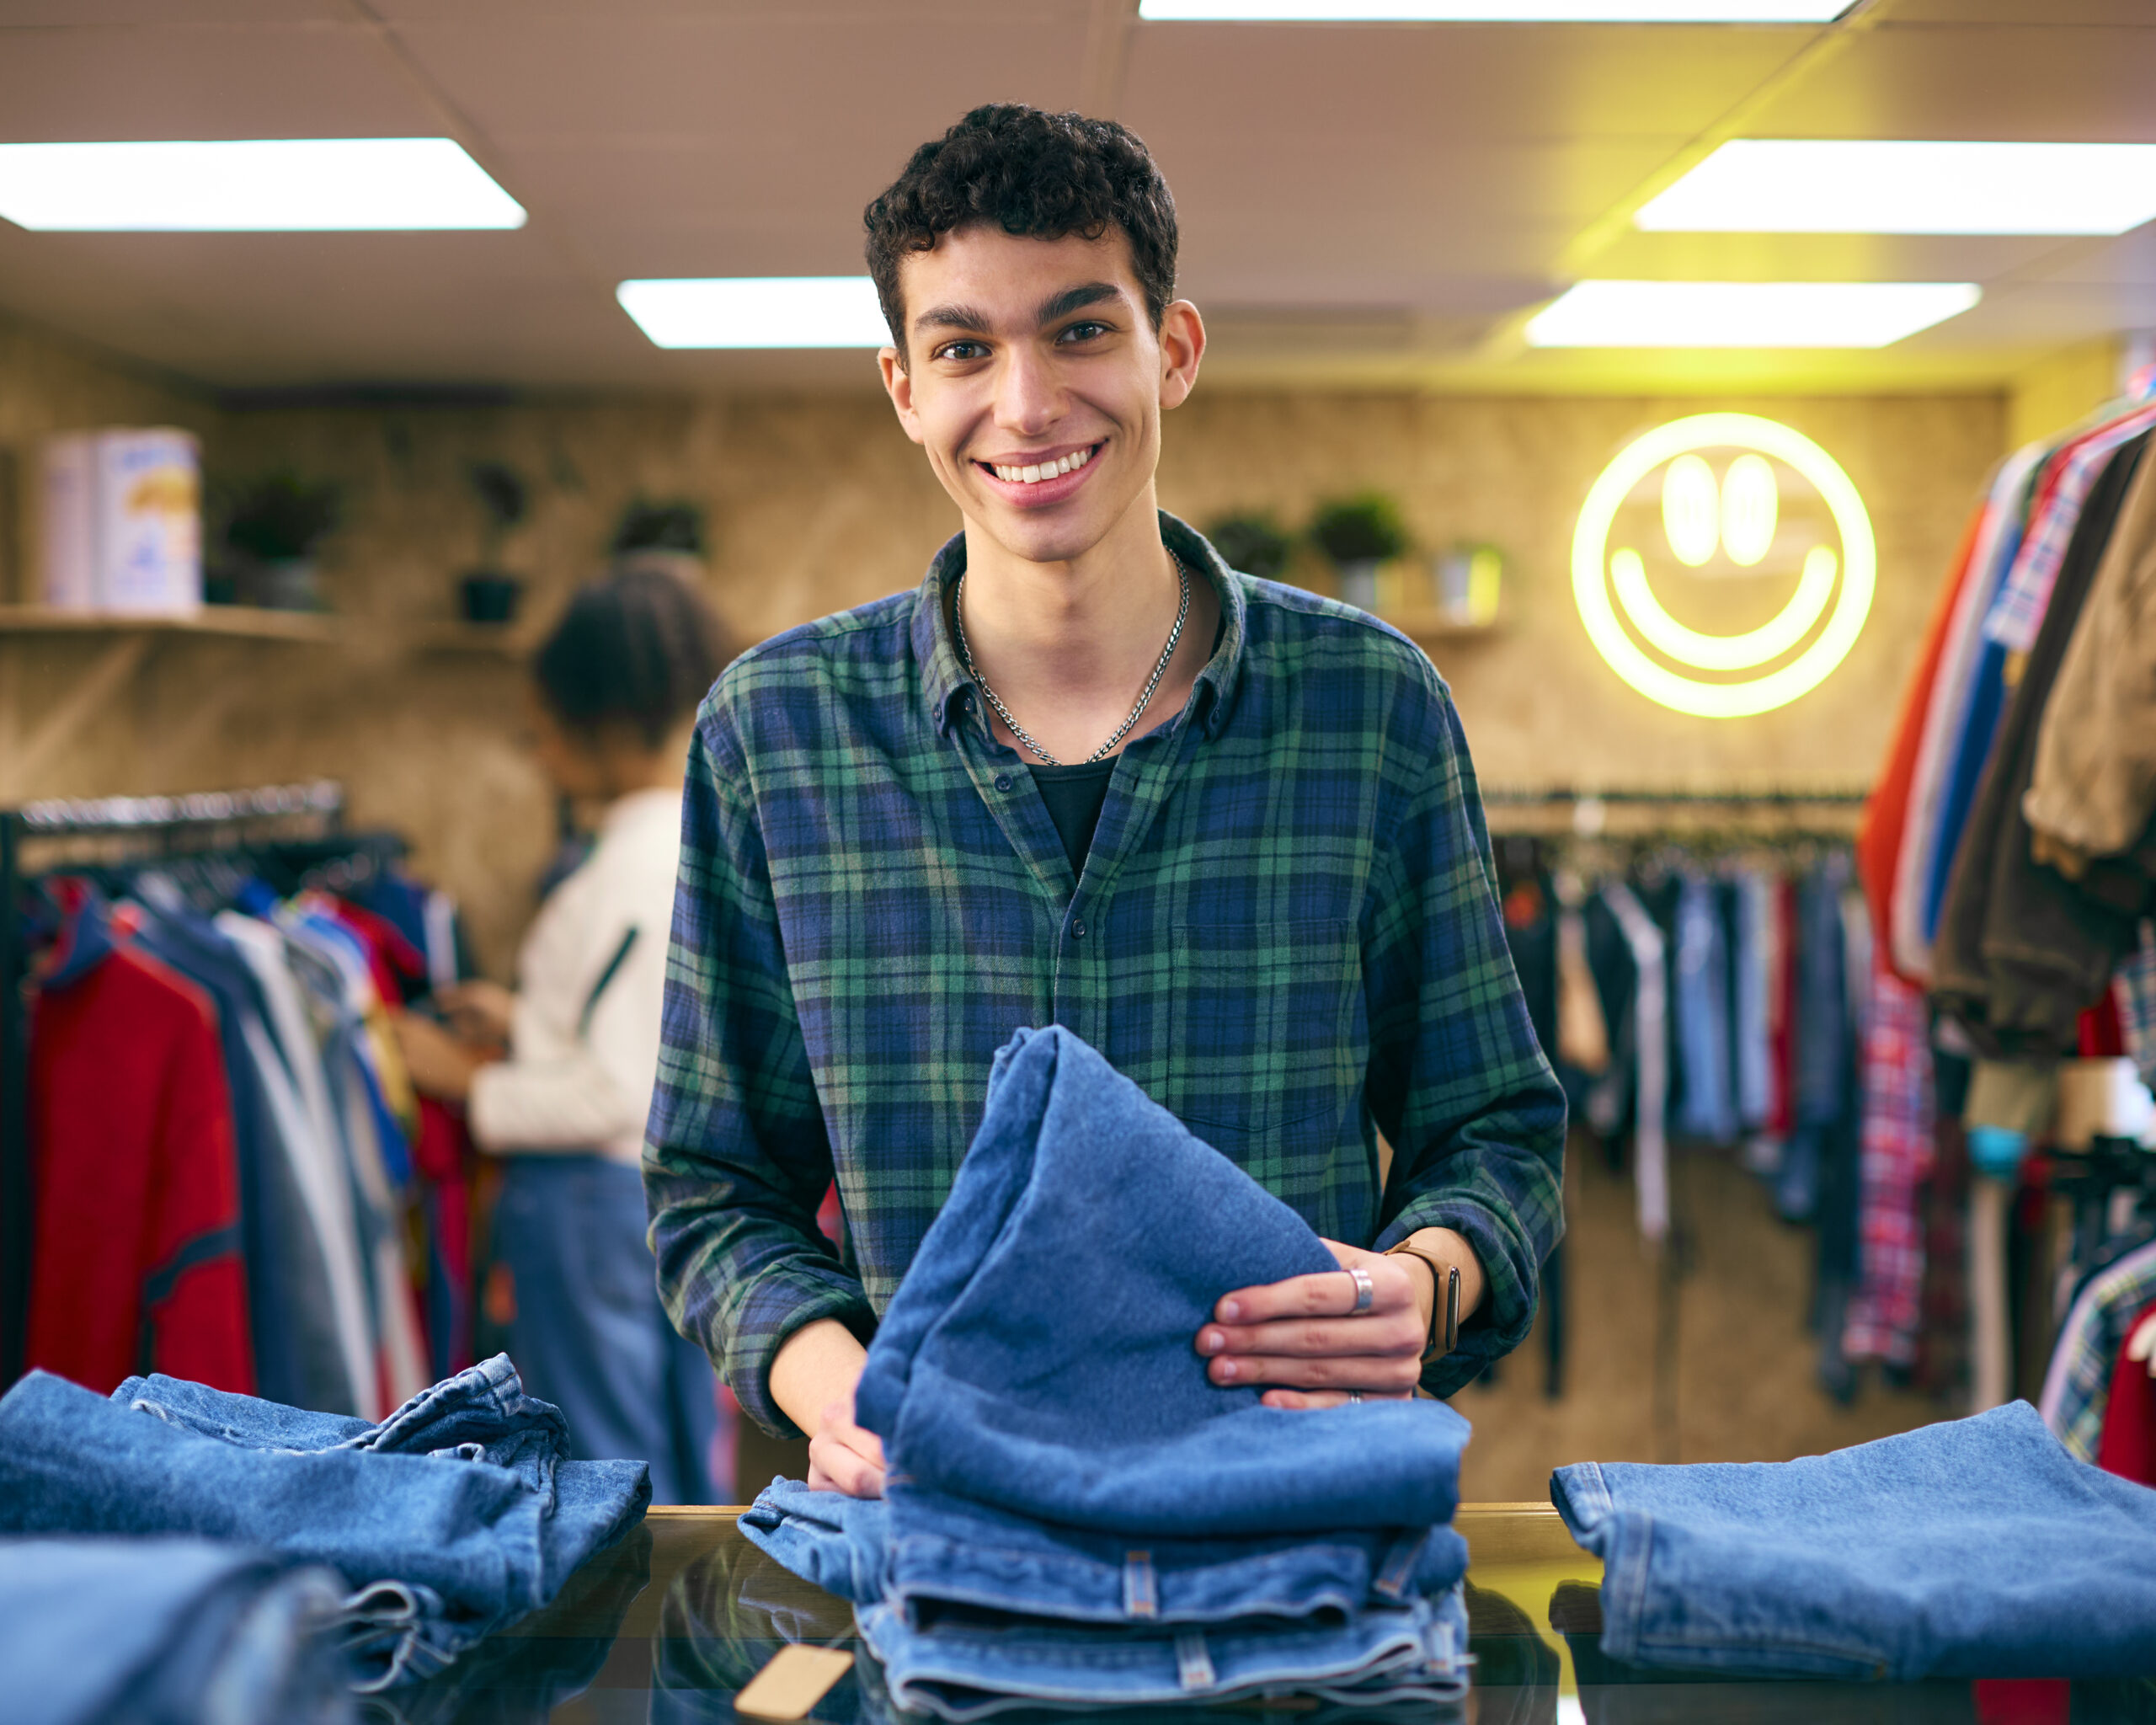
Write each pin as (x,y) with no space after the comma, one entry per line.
(488,598)
(1358,582)
(288,584)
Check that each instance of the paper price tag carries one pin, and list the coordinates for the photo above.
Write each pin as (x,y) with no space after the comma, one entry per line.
(796,1679)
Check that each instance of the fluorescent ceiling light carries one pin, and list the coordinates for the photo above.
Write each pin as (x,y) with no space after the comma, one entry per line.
(1495,11)
(757,310)
(254,185)
(1747,314)
(1831,185)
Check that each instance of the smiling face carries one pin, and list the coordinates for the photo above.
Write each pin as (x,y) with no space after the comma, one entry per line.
(1035,382)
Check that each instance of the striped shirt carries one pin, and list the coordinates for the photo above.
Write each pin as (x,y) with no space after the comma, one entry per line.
(1286,932)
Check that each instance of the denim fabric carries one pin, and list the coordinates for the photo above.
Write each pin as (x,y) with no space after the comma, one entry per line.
(455,1516)
(1036,1361)
(922,1551)
(590,1335)
(1708,1108)
(1971,1548)
(972,1666)
(166,1632)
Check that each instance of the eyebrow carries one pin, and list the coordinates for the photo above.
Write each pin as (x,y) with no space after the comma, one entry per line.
(1071,299)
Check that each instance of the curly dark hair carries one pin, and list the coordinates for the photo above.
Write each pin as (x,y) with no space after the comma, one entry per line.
(637,648)
(1035,174)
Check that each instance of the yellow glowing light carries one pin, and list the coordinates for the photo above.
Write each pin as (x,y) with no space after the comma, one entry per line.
(1770,640)
(1591,587)
(1749,505)
(1689,509)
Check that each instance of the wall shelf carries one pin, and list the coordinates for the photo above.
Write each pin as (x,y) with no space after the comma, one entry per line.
(455,635)
(240,622)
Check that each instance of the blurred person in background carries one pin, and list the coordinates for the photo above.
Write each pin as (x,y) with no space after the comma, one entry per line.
(555,1078)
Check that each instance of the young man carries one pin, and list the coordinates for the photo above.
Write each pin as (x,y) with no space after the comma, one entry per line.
(1224,831)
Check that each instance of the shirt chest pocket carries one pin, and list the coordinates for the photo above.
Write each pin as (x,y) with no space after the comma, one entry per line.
(1267,1029)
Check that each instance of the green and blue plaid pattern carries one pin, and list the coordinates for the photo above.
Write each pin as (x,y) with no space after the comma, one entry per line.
(1287,933)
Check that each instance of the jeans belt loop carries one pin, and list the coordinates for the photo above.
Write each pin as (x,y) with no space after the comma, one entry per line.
(1139,1597)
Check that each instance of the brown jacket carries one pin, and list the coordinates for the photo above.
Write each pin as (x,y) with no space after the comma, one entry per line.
(2021,950)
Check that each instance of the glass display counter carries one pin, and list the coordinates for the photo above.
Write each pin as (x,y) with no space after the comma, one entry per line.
(668,1627)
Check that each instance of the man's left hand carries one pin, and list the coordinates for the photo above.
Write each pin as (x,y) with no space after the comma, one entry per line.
(1304,1337)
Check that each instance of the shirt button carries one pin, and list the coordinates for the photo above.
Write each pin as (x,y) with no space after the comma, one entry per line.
(1078,929)
(1002,781)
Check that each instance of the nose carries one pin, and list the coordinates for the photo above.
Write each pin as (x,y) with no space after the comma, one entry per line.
(1029,395)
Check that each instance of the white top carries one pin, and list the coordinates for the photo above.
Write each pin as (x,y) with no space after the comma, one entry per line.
(583,1040)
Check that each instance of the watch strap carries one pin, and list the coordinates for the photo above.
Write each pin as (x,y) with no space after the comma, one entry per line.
(1445,1305)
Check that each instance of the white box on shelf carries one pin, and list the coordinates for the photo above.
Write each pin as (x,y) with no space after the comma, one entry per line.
(149,521)
(67,524)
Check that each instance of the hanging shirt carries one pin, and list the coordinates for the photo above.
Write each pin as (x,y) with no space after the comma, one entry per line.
(2019,612)
(590,981)
(136,1260)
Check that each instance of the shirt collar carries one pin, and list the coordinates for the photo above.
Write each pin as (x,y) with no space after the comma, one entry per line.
(951,696)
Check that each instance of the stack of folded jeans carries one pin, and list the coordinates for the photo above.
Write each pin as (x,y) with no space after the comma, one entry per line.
(98,1631)
(1075,1514)
(456,1515)
(1971,1548)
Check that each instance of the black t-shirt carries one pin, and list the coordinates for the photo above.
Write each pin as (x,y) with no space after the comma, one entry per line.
(1074,796)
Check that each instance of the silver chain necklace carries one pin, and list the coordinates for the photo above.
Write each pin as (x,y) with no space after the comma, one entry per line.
(1145,696)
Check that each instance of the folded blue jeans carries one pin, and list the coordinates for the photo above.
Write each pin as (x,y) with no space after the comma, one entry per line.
(453,1517)
(920,1552)
(1038,1357)
(1075,1514)
(1971,1548)
(167,1632)
(971,1667)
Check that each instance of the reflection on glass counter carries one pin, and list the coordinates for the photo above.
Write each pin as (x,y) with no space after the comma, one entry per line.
(669,1625)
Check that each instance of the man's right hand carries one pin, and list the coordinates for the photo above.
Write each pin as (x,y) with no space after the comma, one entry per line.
(816,1369)
(843,1456)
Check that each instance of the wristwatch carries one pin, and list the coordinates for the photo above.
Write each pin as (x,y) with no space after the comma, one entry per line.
(1445,1309)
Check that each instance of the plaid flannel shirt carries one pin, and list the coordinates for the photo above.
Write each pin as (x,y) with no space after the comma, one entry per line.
(1286,931)
(2018,613)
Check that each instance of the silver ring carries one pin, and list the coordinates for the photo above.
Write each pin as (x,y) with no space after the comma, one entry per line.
(1365,1291)
(1355,1397)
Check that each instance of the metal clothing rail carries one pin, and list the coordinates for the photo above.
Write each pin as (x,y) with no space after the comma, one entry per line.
(1516,794)
(190,819)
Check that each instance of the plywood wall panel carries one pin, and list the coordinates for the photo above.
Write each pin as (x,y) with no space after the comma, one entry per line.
(820,503)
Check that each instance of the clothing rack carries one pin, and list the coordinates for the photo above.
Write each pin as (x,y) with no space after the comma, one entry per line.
(1591,812)
(180,824)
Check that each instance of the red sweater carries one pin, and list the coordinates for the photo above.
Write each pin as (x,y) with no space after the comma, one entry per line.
(137,1263)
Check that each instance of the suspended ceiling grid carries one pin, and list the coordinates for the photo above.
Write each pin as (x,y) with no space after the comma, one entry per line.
(1361,203)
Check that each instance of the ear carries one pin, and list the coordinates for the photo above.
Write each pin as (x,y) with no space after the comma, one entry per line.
(898,384)
(1182,346)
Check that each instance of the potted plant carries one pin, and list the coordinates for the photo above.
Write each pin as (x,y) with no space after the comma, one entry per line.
(667,535)
(1253,544)
(1359,533)
(272,525)
(489,593)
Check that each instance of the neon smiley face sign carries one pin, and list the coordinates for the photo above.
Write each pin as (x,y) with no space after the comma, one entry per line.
(1730,521)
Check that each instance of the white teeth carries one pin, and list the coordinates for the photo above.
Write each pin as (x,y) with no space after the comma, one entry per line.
(1043,470)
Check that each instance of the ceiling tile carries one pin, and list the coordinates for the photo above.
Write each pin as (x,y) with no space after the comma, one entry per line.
(94,14)
(1817,257)
(2040,12)
(1227,89)
(1913,81)
(2128,261)
(869,85)
(210,82)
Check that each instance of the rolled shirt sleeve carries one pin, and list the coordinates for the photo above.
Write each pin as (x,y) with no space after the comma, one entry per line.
(1457,1081)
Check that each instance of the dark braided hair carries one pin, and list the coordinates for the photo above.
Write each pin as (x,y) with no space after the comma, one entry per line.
(638,648)
(1034,174)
